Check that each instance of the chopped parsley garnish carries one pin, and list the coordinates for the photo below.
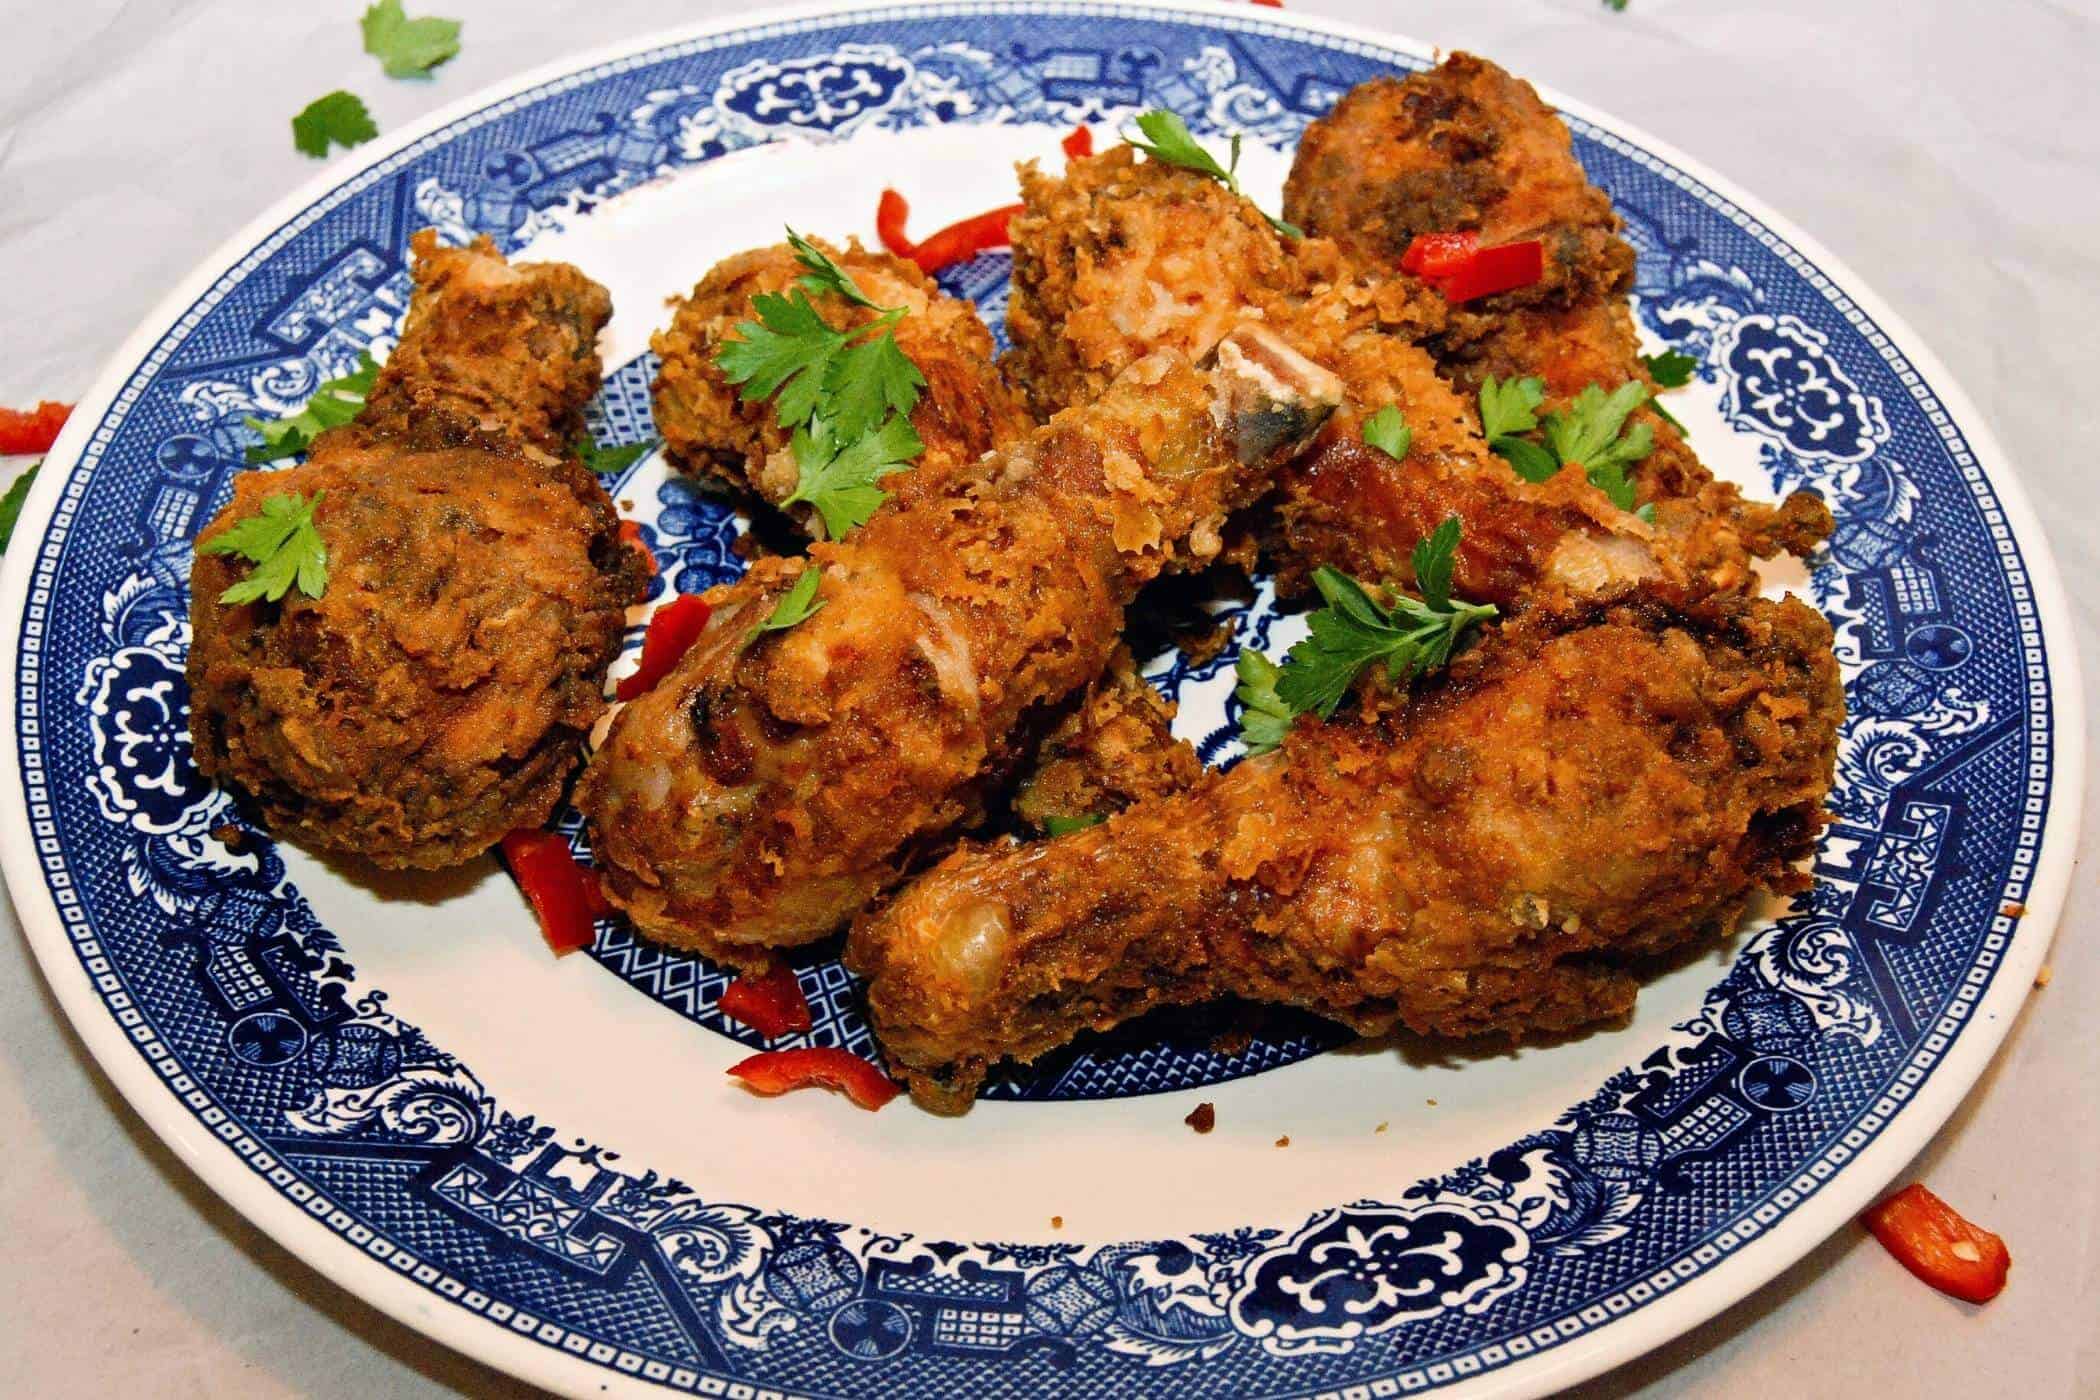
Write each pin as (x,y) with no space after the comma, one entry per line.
(797,605)
(1670,369)
(1168,139)
(846,395)
(407,48)
(1387,431)
(11,505)
(1409,636)
(339,117)
(1061,826)
(607,460)
(333,404)
(281,542)
(1591,430)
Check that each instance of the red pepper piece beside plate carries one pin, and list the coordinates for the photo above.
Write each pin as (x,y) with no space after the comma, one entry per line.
(565,896)
(1932,1240)
(891,212)
(772,1005)
(23,432)
(778,1071)
(673,628)
(1080,144)
(959,242)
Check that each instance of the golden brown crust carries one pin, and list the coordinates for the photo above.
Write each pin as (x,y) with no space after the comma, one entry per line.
(1115,748)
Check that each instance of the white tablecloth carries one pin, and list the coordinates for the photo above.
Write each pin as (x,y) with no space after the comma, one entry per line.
(1947,150)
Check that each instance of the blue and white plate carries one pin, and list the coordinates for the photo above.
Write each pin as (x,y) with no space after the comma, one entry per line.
(542,1163)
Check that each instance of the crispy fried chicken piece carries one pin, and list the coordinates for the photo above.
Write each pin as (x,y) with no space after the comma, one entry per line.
(1117,747)
(772,784)
(966,409)
(434,696)
(1475,861)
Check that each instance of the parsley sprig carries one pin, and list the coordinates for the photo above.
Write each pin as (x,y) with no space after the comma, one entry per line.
(281,541)
(1670,370)
(1387,431)
(1591,430)
(1409,635)
(340,117)
(407,48)
(1169,140)
(847,395)
(607,461)
(333,404)
(11,504)
(796,606)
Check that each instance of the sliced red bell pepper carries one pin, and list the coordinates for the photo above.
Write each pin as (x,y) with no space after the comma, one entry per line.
(564,894)
(1932,1240)
(673,628)
(1492,270)
(890,214)
(1080,144)
(772,1005)
(35,430)
(778,1071)
(1272,4)
(1434,255)
(631,535)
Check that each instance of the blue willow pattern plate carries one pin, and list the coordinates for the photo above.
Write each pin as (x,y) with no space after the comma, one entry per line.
(229,1009)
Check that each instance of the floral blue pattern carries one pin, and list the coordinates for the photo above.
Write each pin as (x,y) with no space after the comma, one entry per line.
(1822,1028)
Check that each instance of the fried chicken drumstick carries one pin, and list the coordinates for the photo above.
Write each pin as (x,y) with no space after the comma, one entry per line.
(1471,861)
(435,695)
(778,779)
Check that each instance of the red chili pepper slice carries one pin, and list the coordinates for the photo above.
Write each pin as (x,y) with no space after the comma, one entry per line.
(890,213)
(1272,4)
(32,431)
(1434,255)
(631,536)
(1493,270)
(778,1071)
(673,628)
(959,242)
(1932,1240)
(564,894)
(772,1005)
(1080,144)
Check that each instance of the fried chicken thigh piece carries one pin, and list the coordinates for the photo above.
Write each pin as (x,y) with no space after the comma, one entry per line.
(1470,862)
(775,782)
(435,696)
(966,409)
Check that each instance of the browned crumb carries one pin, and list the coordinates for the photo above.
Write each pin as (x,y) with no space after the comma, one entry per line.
(2014,911)
(2043,976)
(1431,1102)
(1231,1042)
(1284,1141)
(627,505)
(228,836)
(1381,1127)
(1203,1117)
(1057,1222)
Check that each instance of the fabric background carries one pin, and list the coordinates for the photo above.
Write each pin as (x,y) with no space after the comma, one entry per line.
(1946,150)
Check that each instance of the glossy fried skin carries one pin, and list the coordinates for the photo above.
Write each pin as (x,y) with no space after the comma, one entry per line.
(1115,748)
(966,409)
(1470,862)
(435,695)
(773,783)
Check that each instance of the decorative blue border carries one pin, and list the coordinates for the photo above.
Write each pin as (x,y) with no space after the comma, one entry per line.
(1881,959)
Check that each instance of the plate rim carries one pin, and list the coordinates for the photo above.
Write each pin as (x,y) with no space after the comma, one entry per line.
(1749,1267)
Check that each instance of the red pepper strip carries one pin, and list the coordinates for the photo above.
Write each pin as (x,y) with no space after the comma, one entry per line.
(777,1071)
(1434,255)
(1272,4)
(959,242)
(34,431)
(1080,144)
(1929,1238)
(631,535)
(1493,270)
(673,629)
(890,213)
(772,1005)
(564,894)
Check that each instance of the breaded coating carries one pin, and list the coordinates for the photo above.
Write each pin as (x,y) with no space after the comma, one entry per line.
(1473,861)
(435,696)
(966,409)
(1119,257)
(777,780)
(1115,748)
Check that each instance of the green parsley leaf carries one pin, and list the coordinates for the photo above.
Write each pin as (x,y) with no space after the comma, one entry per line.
(336,402)
(1668,417)
(868,382)
(797,605)
(840,481)
(11,504)
(1509,406)
(1647,513)
(407,48)
(1169,140)
(1264,717)
(1615,6)
(1670,369)
(787,352)
(1532,462)
(339,117)
(607,460)
(1061,826)
(1588,431)
(1433,559)
(827,276)
(1355,630)
(1387,431)
(280,540)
